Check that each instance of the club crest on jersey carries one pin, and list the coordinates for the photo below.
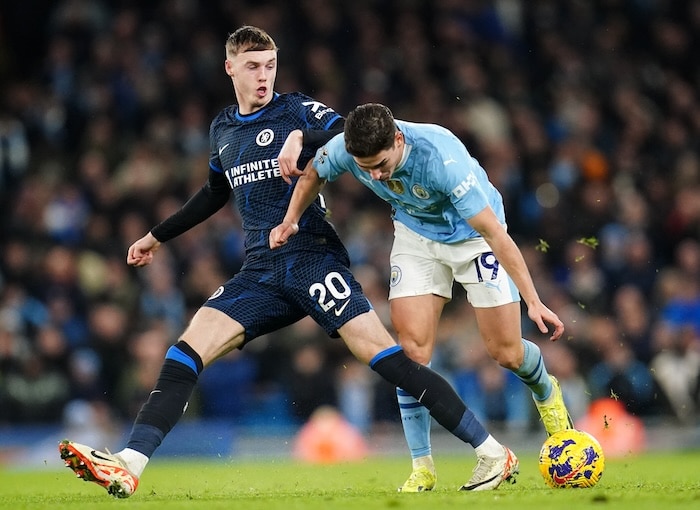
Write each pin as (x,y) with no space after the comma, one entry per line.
(265,137)
(395,277)
(420,192)
(395,186)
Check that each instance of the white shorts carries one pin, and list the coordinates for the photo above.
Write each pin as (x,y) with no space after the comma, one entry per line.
(420,266)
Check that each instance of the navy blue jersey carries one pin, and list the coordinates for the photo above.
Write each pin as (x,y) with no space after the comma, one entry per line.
(245,148)
(310,274)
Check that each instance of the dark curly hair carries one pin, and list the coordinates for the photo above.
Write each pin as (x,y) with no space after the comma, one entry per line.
(369,129)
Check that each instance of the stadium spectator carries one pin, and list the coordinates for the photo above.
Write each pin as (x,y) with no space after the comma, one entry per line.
(676,369)
(617,373)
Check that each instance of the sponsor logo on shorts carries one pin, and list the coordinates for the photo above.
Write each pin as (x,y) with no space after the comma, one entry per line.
(491,285)
(340,310)
(395,276)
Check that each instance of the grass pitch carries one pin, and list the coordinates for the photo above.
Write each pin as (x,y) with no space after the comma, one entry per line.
(653,481)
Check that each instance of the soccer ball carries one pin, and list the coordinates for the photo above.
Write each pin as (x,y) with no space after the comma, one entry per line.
(571,458)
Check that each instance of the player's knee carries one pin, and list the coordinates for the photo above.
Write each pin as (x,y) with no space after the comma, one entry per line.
(508,358)
(420,352)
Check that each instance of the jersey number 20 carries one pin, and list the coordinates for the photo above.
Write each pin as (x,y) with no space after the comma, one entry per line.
(334,287)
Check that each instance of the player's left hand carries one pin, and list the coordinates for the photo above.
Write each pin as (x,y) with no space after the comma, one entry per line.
(281,234)
(540,315)
(289,155)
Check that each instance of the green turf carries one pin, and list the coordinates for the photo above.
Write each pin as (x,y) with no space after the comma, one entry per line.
(653,481)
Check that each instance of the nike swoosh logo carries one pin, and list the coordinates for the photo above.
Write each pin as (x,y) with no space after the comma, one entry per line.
(448,161)
(222,148)
(338,311)
(98,456)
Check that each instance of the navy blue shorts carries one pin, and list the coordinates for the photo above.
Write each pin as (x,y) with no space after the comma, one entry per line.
(283,287)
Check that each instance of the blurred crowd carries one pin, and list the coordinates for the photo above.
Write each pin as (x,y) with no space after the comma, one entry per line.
(585,114)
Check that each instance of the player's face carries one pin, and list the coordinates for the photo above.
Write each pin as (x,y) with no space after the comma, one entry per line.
(253,74)
(381,166)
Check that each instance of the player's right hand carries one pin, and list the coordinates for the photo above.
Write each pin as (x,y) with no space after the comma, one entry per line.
(281,234)
(289,155)
(141,252)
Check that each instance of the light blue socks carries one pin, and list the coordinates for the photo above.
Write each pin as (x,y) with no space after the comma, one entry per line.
(533,372)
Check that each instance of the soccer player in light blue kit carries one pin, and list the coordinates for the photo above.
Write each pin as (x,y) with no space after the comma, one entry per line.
(449,226)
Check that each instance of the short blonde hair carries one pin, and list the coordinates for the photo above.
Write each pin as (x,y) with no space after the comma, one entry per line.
(249,38)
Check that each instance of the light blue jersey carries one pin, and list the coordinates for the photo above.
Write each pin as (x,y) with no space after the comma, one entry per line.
(436,187)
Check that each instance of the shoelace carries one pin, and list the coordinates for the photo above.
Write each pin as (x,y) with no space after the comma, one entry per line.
(118,459)
(550,412)
(482,467)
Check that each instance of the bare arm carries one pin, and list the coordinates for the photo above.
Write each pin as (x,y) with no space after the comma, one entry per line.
(305,192)
(288,157)
(509,256)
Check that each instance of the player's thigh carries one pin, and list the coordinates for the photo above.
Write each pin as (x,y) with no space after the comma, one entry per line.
(212,333)
(500,329)
(494,296)
(255,301)
(415,319)
(366,336)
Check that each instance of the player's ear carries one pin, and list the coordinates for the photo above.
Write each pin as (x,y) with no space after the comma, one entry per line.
(228,66)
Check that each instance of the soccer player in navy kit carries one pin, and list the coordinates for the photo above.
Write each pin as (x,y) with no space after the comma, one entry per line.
(449,226)
(307,276)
